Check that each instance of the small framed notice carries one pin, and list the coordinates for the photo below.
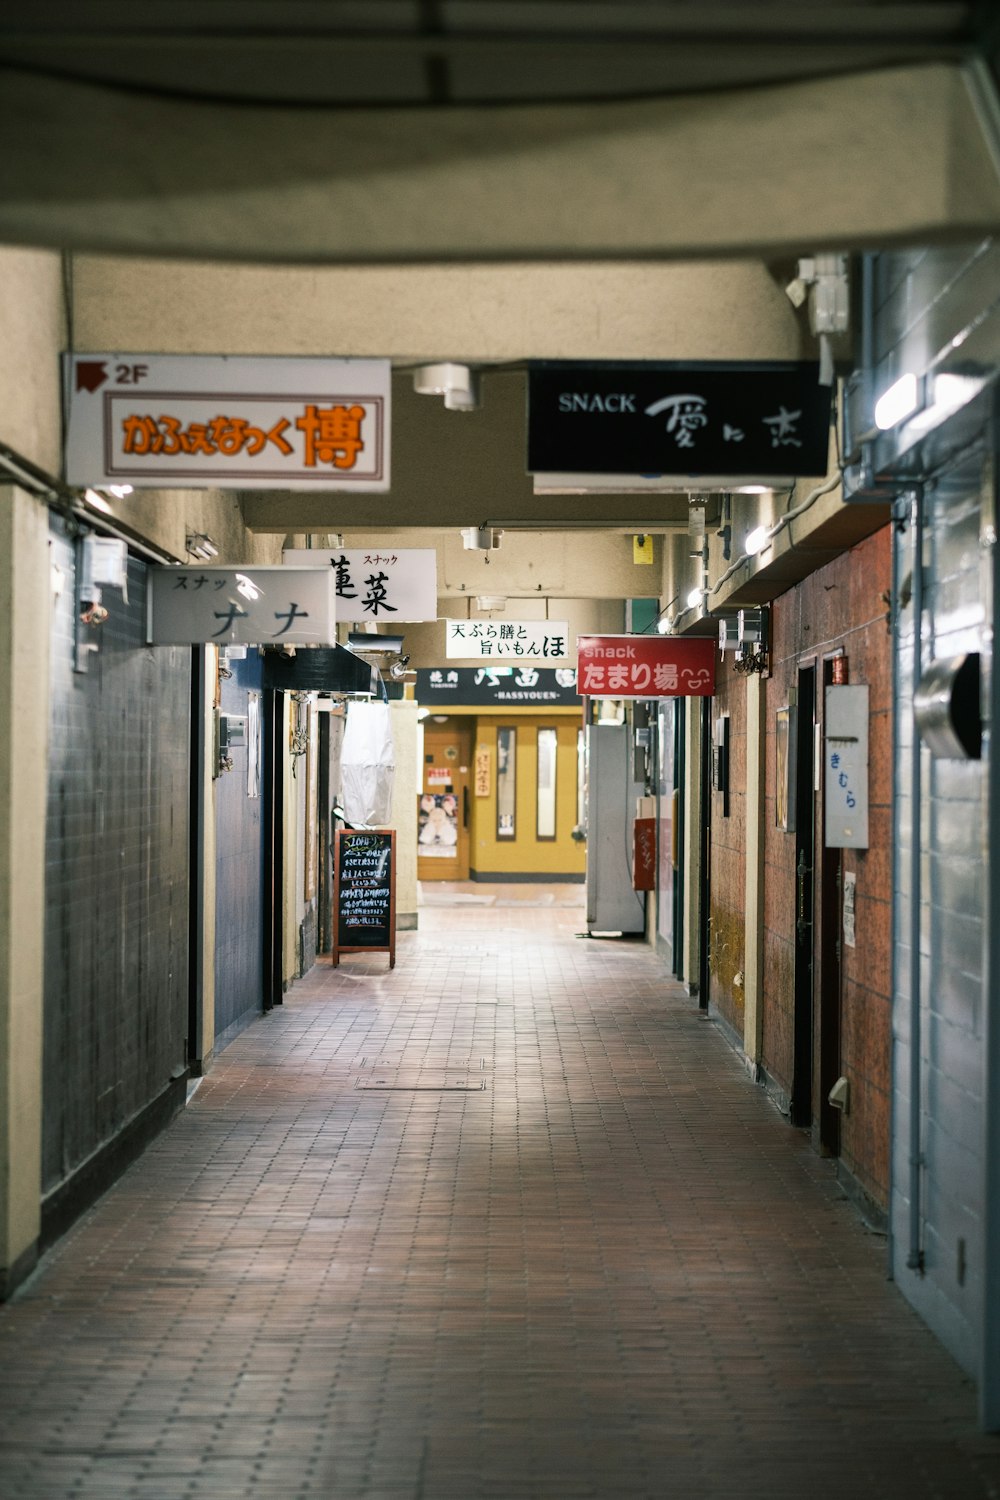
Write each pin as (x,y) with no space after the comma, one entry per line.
(364,892)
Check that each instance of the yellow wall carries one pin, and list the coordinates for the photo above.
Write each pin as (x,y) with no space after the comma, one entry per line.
(526,854)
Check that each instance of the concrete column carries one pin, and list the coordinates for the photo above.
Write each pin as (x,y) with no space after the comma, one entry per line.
(691,853)
(25,590)
(405,787)
(208,853)
(753,957)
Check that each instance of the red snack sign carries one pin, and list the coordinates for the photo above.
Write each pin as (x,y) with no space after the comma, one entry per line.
(642,666)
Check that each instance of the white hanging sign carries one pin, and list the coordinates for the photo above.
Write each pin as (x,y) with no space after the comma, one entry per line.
(377,583)
(253,606)
(845,761)
(528,640)
(193,421)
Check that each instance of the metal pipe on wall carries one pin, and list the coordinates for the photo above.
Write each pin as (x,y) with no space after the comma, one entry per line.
(915,1257)
(989,1359)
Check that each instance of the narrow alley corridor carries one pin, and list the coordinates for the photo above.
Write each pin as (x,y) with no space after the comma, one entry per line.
(508,1221)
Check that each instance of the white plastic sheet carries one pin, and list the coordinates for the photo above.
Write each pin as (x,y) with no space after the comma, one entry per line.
(367,764)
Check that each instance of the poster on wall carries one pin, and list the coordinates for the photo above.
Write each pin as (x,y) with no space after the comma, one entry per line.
(437,826)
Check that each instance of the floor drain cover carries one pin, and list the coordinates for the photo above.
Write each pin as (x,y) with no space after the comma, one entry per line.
(429,1082)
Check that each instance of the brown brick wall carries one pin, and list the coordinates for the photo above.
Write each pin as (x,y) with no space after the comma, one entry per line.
(842,605)
(727,934)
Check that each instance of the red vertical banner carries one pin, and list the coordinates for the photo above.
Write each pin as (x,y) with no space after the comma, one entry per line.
(644,855)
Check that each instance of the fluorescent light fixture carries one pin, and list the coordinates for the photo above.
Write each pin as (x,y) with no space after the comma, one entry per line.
(197,544)
(899,401)
(756,539)
(694,598)
(949,393)
(362,640)
(97,501)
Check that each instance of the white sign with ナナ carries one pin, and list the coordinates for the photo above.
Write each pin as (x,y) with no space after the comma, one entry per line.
(508,640)
(377,583)
(192,421)
(253,606)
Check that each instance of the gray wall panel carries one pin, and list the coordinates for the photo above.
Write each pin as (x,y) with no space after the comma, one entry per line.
(116,936)
(239,873)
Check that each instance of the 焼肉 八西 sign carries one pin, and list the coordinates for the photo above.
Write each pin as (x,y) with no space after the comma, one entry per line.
(642,666)
(182,421)
(229,606)
(498,686)
(655,419)
(378,583)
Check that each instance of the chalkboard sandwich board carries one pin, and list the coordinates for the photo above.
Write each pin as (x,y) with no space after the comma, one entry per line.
(364,892)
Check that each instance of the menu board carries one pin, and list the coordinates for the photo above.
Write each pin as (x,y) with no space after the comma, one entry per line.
(364,892)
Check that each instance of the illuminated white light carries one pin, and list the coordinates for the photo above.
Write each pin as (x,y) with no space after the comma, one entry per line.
(665,626)
(756,539)
(899,401)
(755,489)
(97,501)
(119,490)
(694,598)
(949,394)
(246,587)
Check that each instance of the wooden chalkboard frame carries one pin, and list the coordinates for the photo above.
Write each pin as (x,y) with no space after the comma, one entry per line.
(385,836)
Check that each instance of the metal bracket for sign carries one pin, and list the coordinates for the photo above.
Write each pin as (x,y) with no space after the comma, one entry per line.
(386,839)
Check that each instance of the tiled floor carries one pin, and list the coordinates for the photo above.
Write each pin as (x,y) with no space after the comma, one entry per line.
(509,1221)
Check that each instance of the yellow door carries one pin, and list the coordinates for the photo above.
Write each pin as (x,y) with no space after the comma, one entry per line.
(443,810)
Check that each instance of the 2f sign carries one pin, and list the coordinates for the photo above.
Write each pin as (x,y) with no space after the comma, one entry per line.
(845,767)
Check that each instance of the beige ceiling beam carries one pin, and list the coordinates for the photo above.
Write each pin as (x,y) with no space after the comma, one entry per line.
(889,156)
(454,469)
(420,314)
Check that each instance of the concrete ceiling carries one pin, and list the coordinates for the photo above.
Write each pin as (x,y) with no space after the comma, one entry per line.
(432,52)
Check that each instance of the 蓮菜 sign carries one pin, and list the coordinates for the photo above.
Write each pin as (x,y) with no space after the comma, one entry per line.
(183,421)
(640,666)
(377,583)
(529,640)
(252,607)
(364,893)
(768,419)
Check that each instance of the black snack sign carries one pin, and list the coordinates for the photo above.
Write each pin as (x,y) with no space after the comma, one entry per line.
(653,419)
(364,893)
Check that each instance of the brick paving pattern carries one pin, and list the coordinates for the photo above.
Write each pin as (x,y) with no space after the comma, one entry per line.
(510,1222)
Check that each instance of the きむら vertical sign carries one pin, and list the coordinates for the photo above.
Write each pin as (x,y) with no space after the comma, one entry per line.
(845,767)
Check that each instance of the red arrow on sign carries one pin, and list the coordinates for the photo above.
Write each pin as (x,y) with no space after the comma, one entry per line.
(90,374)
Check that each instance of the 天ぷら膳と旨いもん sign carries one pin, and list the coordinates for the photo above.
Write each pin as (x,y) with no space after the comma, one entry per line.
(508,640)
(191,421)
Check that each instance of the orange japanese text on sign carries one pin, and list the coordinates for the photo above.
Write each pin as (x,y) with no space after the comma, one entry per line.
(331,435)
